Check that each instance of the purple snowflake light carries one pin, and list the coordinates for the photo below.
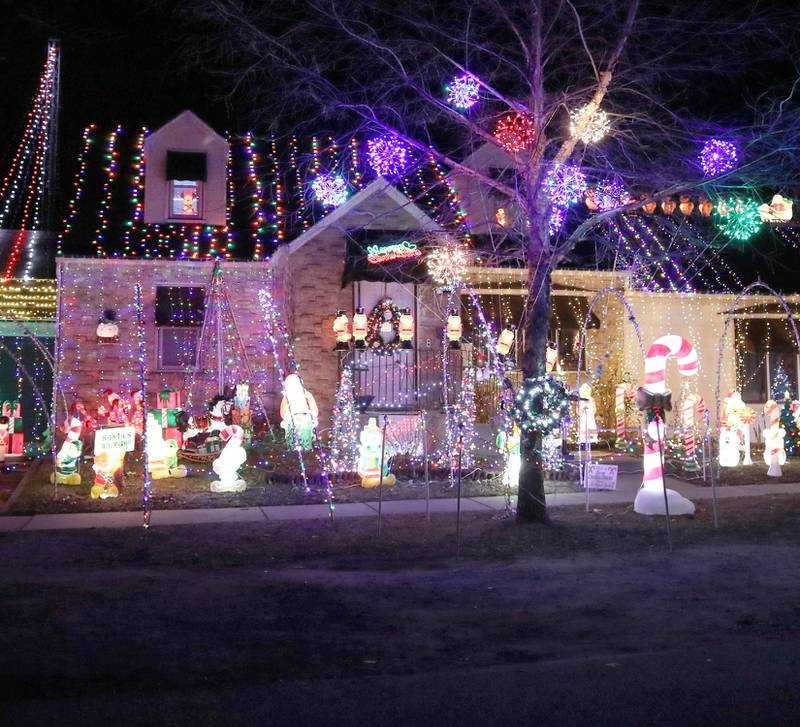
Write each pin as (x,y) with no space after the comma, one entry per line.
(565,184)
(463,91)
(717,157)
(558,215)
(388,156)
(608,194)
(330,189)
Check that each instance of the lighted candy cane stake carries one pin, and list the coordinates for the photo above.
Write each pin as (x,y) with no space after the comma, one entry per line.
(653,496)
(621,392)
(691,403)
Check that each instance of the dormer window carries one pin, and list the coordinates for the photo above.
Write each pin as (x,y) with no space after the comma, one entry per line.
(186,172)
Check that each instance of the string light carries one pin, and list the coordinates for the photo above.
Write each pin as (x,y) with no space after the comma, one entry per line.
(717,157)
(514,131)
(589,124)
(738,218)
(387,155)
(330,189)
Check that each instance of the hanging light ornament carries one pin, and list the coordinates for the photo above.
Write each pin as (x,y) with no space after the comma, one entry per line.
(448,263)
(454,328)
(558,216)
(717,157)
(341,331)
(514,131)
(565,184)
(608,194)
(686,206)
(462,92)
(668,205)
(739,218)
(360,327)
(330,189)
(387,155)
(588,124)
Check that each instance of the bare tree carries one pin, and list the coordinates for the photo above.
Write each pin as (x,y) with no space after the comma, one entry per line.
(657,69)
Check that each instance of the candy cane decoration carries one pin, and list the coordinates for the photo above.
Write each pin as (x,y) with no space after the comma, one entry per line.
(692,403)
(774,454)
(621,393)
(650,498)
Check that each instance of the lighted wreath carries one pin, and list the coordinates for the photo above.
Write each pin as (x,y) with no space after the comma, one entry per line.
(541,404)
(384,314)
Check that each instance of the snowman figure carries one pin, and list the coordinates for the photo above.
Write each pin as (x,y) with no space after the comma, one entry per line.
(728,447)
(107,328)
(230,460)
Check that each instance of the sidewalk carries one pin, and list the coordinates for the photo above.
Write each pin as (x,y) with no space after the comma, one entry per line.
(628,484)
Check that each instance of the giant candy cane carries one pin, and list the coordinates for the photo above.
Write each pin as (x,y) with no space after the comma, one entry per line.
(650,498)
(621,392)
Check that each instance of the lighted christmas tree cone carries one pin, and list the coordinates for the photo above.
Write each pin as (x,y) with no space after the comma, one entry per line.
(774,453)
(369,458)
(653,399)
(162,454)
(230,460)
(69,454)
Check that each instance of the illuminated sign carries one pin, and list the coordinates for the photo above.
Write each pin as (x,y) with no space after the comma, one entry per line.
(377,254)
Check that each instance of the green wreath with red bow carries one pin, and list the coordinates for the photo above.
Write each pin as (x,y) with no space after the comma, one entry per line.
(376,319)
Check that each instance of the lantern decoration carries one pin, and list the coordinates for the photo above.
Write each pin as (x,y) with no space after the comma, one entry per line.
(454,328)
(705,206)
(505,341)
(668,205)
(515,131)
(650,206)
(68,456)
(299,413)
(718,157)
(739,218)
(369,458)
(686,206)
(540,405)
(330,189)
(340,330)
(406,328)
(230,460)
(107,328)
(359,327)
(608,194)
(463,91)
(565,184)
(778,210)
(387,155)
(589,124)
(448,263)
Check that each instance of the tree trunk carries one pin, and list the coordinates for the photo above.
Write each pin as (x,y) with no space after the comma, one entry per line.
(531,505)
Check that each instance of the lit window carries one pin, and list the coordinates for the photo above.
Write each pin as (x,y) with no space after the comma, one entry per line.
(179,319)
(186,198)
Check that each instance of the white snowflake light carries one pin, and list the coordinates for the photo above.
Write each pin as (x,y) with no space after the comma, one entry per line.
(588,124)
(330,189)
(463,91)
(448,263)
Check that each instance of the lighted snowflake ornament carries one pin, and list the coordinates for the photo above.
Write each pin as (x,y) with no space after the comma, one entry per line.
(739,219)
(717,157)
(608,194)
(514,131)
(565,184)
(448,263)
(387,155)
(588,124)
(462,92)
(558,215)
(330,189)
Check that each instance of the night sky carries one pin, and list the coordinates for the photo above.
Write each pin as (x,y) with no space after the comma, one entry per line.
(120,64)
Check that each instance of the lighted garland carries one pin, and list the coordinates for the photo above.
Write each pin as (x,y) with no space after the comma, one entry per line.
(541,404)
(739,219)
(462,92)
(514,131)
(376,318)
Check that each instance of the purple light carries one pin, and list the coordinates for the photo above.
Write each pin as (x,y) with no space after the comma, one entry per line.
(565,184)
(608,194)
(717,157)
(558,216)
(463,91)
(330,189)
(388,156)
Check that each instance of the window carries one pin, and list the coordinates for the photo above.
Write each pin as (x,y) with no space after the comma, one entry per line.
(179,319)
(186,199)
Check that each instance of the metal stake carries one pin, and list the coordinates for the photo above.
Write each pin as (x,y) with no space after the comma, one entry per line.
(460,445)
(380,482)
(427,468)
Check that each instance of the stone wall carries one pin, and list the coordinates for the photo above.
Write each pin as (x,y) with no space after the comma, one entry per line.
(89,286)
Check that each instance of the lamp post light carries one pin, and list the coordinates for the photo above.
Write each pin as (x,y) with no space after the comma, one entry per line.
(360,327)
(340,330)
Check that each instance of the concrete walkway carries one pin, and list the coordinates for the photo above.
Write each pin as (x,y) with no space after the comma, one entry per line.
(625,494)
